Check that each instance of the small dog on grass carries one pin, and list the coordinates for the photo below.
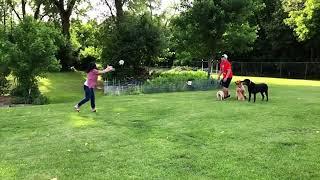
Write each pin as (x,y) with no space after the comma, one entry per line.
(220,95)
(256,88)
(240,91)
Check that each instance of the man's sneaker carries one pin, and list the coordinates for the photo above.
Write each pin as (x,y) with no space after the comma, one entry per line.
(227,97)
(94,110)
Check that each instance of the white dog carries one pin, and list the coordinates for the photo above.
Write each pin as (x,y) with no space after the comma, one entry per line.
(220,95)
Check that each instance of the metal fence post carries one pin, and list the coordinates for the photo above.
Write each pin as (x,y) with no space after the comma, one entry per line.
(280,69)
(202,65)
(217,67)
(306,71)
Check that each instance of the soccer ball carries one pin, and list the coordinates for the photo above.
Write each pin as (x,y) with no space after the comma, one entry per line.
(121,62)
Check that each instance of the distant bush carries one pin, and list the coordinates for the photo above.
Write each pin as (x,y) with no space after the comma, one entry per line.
(4,83)
(33,97)
(40,100)
(178,86)
(176,80)
(179,75)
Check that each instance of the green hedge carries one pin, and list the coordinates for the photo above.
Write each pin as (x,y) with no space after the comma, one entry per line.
(175,80)
(179,86)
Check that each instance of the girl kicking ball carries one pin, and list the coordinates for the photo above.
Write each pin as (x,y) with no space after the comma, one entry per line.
(90,84)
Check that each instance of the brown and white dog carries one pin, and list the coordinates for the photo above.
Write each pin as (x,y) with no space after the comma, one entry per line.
(240,91)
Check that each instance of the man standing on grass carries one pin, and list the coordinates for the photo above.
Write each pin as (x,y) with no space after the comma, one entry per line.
(226,71)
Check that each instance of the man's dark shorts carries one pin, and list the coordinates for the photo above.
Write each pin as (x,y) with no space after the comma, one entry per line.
(227,83)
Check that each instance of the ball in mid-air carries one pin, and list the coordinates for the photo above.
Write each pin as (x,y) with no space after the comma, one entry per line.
(121,62)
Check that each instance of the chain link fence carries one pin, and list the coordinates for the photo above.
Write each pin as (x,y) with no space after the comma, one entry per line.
(292,70)
(116,87)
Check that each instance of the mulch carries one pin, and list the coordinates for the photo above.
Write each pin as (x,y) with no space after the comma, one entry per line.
(5,100)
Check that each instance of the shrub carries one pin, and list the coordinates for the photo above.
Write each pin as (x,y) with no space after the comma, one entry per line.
(32,97)
(176,80)
(136,40)
(30,53)
(4,85)
(178,86)
(40,100)
(175,75)
(4,70)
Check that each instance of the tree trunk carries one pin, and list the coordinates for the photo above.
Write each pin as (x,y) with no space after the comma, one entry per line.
(65,54)
(210,65)
(65,21)
(4,16)
(150,7)
(119,8)
(23,5)
(37,12)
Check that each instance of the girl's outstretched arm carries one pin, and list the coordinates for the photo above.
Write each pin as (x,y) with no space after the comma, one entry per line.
(108,69)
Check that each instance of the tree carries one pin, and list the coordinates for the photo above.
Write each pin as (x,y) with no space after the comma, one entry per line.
(304,17)
(35,7)
(136,39)
(4,70)
(85,41)
(116,8)
(135,6)
(206,27)
(275,41)
(30,54)
(65,10)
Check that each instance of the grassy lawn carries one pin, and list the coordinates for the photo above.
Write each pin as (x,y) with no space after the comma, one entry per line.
(186,135)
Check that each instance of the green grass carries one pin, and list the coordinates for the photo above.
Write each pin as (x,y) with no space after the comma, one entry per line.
(62,87)
(164,136)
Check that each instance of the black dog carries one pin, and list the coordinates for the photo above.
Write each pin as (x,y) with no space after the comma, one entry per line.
(256,88)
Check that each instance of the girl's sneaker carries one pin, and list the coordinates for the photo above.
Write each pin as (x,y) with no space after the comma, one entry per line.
(94,110)
(76,107)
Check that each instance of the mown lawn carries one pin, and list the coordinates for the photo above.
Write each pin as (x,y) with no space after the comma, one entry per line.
(186,135)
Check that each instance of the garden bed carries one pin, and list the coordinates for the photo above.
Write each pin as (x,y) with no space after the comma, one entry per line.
(5,100)
(174,80)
